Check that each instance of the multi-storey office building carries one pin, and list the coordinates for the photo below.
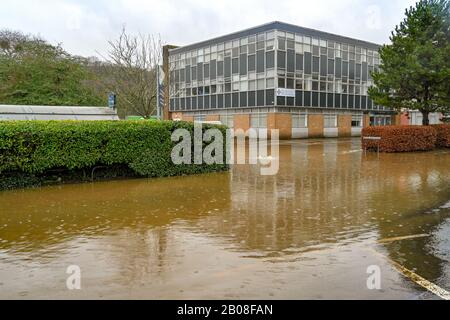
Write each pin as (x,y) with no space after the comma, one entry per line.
(277,76)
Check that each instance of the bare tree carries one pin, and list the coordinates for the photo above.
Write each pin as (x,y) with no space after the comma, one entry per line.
(132,65)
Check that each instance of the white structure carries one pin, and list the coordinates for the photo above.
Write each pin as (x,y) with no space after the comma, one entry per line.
(415,118)
(10,112)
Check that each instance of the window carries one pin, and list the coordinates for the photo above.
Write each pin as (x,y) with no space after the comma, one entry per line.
(290,83)
(299,121)
(270,83)
(291,44)
(270,59)
(281,44)
(380,121)
(281,59)
(260,61)
(258,120)
(308,83)
(330,121)
(261,84)
(235,66)
(357,121)
(252,49)
(199,118)
(244,86)
(315,85)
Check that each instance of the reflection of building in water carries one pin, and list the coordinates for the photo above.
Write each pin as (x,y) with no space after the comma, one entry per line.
(325,192)
(311,199)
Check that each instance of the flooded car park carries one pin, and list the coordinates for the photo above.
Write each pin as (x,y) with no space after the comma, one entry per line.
(313,231)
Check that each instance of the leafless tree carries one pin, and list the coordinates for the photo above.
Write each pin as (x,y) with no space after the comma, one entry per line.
(132,65)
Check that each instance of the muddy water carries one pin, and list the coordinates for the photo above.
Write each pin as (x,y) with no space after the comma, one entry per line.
(311,231)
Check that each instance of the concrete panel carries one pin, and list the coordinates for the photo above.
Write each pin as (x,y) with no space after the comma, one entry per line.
(356,132)
(331,132)
(299,133)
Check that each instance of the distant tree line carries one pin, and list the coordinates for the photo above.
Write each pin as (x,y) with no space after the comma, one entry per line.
(35,72)
(32,71)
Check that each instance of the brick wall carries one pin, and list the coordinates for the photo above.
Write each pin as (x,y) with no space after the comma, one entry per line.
(345,125)
(315,125)
(282,122)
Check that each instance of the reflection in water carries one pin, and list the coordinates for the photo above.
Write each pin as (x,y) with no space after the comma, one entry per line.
(236,234)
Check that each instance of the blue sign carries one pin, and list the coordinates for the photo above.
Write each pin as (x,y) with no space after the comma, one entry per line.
(112,100)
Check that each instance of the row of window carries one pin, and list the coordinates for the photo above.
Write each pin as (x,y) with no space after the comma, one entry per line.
(270,40)
(290,65)
(299,120)
(267,98)
(297,48)
(310,83)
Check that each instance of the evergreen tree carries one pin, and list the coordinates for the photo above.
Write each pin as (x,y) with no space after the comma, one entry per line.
(415,69)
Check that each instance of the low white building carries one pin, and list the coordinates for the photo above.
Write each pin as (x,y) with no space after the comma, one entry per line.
(11,112)
(416,118)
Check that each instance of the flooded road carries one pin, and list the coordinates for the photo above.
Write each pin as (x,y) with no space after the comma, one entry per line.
(310,232)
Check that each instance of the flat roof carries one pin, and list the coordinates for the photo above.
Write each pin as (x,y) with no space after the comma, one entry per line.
(25,112)
(278,26)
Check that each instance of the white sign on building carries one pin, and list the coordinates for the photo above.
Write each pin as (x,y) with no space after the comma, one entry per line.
(281,92)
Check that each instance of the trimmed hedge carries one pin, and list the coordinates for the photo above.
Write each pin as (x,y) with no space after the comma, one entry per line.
(443,135)
(401,138)
(37,147)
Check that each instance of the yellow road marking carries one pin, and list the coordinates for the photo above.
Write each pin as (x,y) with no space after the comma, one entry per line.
(403,238)
(414,277)
(440,292)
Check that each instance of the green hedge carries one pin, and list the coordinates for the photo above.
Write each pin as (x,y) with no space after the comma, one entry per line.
(36,147)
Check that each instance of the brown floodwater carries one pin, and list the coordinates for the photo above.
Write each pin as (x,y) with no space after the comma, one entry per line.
(309,232)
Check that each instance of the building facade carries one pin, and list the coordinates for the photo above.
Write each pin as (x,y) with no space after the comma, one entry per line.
(304,82)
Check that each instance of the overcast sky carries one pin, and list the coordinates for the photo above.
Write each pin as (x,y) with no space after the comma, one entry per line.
(85,26)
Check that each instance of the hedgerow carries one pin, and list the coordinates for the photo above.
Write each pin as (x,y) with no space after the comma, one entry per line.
(443,135)
(400,138)
(37,147)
